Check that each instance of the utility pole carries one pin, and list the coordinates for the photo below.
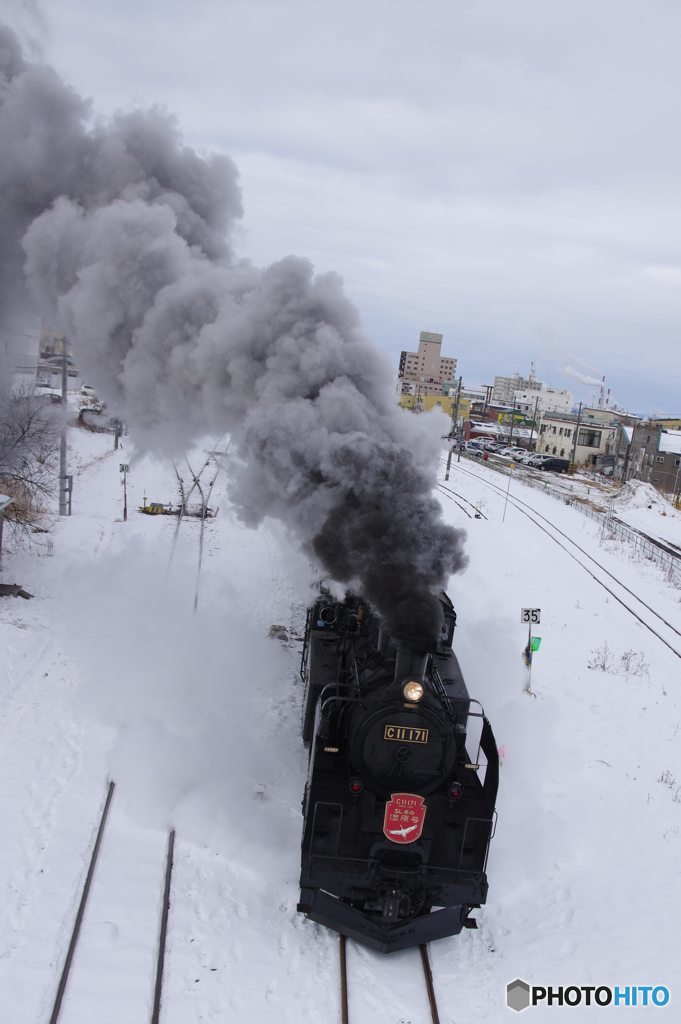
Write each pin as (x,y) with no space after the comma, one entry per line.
(534,423)
(117,432)
(455,417)
(508,488)
(512,423)
(4,502)
(488,398)
(124,468)
(675,493)
(574,443)
(62,443)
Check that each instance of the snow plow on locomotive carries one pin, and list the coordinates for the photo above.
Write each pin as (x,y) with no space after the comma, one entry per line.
(402,781)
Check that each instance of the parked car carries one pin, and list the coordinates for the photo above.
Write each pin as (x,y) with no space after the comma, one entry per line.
(555,465)
(537,458)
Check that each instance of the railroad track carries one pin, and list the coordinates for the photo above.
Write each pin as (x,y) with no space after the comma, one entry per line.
(665,631)
(427,976)
(453,495)
(82,909)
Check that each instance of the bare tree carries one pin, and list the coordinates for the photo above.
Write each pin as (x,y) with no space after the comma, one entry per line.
(29,450)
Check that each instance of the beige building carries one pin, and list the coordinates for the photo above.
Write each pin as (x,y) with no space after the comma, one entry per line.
(427,369)
(596,431)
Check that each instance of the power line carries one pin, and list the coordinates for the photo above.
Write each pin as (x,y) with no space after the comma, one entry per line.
(22,334)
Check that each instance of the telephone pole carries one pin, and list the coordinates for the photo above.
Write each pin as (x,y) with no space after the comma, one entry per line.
(512,422)
(455,415)
(534,423)
(62,443)
(574,443)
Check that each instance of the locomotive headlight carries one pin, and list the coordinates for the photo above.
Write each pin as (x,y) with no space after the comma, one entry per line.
(413,690)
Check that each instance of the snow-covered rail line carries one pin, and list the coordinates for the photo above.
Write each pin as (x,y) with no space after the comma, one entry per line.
(56,1008)
(163,931)
(427,976)
(118,946)
(453,495)
(663,629)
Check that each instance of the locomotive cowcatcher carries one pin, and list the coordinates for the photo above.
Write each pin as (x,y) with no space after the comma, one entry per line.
(403,773)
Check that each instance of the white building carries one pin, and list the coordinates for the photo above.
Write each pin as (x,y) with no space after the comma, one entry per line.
(547,399)
(596,431)
(505,388)
(473,394)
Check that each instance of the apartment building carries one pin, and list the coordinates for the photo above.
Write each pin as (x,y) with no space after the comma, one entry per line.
(427,369)
(648,451)
(505,388)
(543,399)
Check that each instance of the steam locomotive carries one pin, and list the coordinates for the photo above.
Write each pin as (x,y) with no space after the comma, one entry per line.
(403,773)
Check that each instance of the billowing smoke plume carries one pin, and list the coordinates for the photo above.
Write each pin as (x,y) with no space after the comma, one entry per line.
(123,232)
(583,378)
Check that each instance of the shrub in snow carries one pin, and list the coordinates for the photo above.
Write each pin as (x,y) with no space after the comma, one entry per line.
(601,659)
(630,663)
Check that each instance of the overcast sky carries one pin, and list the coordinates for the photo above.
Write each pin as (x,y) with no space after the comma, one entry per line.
(507,172)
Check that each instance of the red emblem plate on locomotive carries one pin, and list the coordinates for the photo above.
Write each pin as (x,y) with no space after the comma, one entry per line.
(405,814)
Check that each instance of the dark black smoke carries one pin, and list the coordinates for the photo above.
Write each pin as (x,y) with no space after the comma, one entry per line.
(124,232)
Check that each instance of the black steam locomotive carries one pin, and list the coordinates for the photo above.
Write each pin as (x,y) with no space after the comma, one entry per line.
(399,802)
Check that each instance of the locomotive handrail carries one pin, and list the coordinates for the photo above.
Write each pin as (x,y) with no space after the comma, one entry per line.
(306,645)
(441,691)
(477,714)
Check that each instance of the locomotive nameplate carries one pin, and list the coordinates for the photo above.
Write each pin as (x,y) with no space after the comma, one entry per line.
(404,816)
(405,734)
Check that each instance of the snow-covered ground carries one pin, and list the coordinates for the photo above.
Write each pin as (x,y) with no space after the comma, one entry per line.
(630,503)
(108,674)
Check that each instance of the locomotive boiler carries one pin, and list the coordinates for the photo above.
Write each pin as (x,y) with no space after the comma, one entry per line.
(403,772)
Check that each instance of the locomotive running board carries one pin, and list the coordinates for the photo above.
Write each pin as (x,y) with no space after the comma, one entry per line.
(324,909)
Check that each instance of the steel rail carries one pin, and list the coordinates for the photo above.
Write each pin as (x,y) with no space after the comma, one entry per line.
(81,907)
(448,491)
(449,494)
(163,931)
(345,1019)
(428,975)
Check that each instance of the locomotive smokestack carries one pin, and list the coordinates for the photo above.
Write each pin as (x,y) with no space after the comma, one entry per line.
(410,664)
(412,655)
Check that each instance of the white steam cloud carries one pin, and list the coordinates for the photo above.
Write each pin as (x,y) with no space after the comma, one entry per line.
(583,378)
(124,232)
